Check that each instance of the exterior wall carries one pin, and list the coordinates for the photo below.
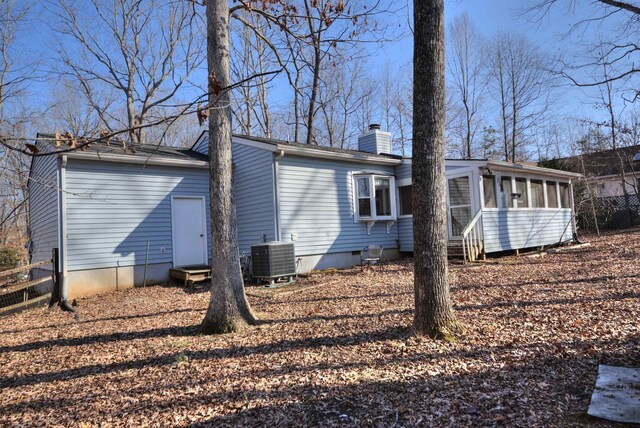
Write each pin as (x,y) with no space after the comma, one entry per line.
(112,210)
(338,260)
(403,171)
(253,191)
(405,233)
(524,228)
(403,177)
(43,207)
(375,142)
(316,207)
(202,145)
(95,281)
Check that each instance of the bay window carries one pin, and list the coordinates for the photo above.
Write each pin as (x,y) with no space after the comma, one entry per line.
(375,195)
(364,197)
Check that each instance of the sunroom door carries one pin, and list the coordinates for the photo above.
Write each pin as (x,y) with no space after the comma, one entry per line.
(459,204)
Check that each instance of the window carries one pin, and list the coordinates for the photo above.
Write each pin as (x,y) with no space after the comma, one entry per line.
(521,198)
(374,196)
(364,197)
(552,194)
(404,196)
(489,188)
(565,201)
(383,196)
(537,194)
(505,192)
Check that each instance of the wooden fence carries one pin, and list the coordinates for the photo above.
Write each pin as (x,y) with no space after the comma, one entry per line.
(22,292)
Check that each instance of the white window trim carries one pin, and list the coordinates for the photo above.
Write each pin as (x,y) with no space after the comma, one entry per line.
(392,194)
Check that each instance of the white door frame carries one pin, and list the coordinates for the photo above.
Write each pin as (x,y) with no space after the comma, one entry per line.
(204,226)
(469,175)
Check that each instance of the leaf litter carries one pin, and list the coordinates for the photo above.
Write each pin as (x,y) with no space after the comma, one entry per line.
(336,349)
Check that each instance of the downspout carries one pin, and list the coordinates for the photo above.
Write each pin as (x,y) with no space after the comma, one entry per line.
(62,238)
(276,194)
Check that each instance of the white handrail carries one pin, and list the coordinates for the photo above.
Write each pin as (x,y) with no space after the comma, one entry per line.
(471,238)
(472,223)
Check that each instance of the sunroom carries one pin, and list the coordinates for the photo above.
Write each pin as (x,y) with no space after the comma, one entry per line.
(495,206)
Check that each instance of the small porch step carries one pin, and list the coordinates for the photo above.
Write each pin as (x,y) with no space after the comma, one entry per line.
(190,274)
(455,251)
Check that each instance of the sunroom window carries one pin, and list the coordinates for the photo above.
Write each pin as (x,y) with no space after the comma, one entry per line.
(537,194)
(374,195)
(565,201)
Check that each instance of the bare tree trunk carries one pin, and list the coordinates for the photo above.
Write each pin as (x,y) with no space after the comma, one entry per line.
(434,315)
(314,95)
(228,309)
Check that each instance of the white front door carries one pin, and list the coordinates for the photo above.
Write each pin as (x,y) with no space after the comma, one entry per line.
(189,231)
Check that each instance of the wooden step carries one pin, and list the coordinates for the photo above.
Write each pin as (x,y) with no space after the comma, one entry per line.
(455,250)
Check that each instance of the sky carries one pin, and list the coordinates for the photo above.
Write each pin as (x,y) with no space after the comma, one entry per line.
(490,16)
(552,33)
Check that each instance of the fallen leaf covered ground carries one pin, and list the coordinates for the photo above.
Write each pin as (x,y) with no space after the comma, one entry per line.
(337,350)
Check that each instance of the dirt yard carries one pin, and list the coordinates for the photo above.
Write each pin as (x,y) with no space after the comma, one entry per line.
(337,350)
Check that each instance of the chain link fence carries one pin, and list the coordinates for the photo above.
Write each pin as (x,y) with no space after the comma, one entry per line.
(608,213)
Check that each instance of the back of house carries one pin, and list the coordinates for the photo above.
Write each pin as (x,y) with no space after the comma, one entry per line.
(123,217)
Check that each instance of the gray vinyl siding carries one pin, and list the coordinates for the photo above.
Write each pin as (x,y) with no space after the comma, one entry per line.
(315,203)
(253,190)
(375,142)
(114,209)
(43,207)
(403,171)
(202,145)
(513,229)
(405,233)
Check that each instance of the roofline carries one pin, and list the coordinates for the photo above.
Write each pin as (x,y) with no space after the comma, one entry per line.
(533,169)
(147,160)
(198,139)
(327,154)
(312,152)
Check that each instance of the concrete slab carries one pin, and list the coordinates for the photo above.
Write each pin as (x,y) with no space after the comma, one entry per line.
(616,396)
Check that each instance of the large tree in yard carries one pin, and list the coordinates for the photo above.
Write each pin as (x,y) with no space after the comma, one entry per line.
(229,309)
(434,315)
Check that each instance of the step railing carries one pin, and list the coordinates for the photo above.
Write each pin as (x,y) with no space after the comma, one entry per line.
(472,239)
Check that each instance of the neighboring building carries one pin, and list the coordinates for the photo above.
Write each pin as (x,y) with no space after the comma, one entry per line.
(112,212)
(607,173)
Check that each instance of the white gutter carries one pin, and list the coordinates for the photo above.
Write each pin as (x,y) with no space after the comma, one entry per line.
(140,159)
(500,165)
(328,154)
